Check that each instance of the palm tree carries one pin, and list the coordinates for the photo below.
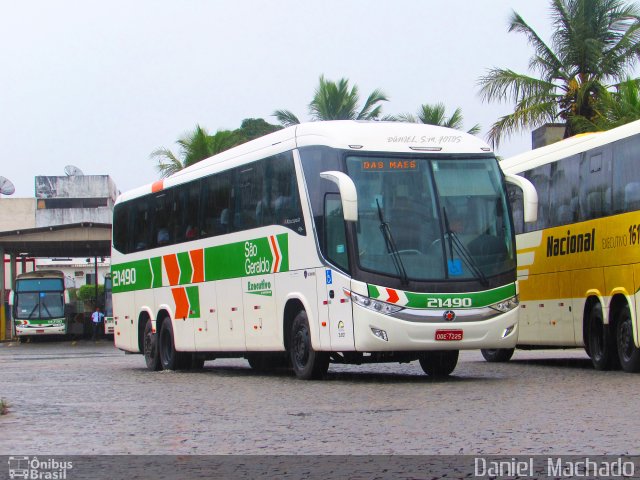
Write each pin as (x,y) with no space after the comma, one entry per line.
(594,44)
(336,101)
(193,147)
(435,115)
(614,108)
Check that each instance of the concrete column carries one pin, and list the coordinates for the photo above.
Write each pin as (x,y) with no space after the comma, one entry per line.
(3,317)
(11,285)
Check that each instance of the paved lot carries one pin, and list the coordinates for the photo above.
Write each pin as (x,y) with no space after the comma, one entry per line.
(85,398)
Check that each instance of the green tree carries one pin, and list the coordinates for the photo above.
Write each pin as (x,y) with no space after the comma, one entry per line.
(435,115)
(193,147)
(595,43)
(337,101)
(614,108)
(252,128)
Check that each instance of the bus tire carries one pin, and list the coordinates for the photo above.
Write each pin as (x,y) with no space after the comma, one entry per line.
(497,355)
(628,353)
(169,357)
(601,346)
(150,348)
(439,363)
(306,362)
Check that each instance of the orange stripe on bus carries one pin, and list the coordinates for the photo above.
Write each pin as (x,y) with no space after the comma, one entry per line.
(157,186)
(276,259)
(172,268)
(197,260)
(182,302)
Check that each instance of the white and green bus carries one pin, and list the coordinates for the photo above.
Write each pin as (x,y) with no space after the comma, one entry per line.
(40,303)
(347,242)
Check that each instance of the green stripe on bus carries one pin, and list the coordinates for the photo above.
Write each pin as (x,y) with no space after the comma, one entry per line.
(193,294)
(234,260)
(186,270)
(156,268)
(445,300)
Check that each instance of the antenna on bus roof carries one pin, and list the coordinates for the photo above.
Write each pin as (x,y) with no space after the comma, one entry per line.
(73,171)
(6,186)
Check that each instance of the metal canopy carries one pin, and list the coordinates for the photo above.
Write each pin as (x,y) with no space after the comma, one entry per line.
(73,240)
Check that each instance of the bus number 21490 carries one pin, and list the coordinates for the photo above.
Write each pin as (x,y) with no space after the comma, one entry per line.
(449,302)
(123,277)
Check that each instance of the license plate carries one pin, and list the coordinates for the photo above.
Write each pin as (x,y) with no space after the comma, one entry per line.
(449,335)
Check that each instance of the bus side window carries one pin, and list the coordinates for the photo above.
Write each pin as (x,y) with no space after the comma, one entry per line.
(517,207)
(139,220)
(563,207)
(595,181)
(540,177)
(626,175)
(120,224)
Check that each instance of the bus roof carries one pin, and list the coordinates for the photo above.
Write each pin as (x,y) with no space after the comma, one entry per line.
(359,136)
(566,148)
(40,274)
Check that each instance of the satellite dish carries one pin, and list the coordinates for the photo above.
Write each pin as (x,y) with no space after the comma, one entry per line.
(6,187)
(73,171)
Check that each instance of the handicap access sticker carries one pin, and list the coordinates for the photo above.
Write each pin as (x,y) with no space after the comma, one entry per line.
(329,277)
(455,267)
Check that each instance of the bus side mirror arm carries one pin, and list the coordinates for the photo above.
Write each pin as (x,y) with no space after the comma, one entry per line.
(11,298)
(529,196)
(348,193)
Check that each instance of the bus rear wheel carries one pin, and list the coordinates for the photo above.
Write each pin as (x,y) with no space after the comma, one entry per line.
(628,353)
(169,357)
(440,363)
(306,362)
(601,345)
(150,347)
(497,355)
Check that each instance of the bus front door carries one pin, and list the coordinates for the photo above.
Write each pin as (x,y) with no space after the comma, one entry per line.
(340,312)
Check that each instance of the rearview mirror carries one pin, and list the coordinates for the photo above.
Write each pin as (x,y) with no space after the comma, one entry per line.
(348,194)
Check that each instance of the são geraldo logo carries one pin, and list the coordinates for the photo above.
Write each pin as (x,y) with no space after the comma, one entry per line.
(37,469)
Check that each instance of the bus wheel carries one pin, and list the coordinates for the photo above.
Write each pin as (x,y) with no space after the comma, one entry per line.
(495,355)
(439,363)
(601,346)
(150,346)
(628,353)
(307,363)
(169,357)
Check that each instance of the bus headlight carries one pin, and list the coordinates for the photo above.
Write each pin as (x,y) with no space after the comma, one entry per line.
(506,305)
(372,304)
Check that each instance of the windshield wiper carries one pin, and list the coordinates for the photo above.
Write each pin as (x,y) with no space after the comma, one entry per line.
(391,247)
(466,256)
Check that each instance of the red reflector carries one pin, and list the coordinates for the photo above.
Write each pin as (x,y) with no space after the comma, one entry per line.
(39,331)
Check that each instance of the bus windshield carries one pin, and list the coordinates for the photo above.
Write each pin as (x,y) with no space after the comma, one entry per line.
(39,298)
(431,219)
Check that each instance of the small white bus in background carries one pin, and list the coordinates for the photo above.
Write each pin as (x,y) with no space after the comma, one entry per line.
(40,303)
(579,264)
(348,242)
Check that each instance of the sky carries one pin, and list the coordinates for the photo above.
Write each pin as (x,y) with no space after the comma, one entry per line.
(101,85)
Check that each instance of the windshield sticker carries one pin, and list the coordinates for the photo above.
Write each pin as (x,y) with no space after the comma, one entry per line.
(455,267)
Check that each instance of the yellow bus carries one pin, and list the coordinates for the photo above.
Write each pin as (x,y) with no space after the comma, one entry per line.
(579,263)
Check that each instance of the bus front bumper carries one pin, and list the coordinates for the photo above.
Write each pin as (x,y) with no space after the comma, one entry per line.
(24,330)
(374,332)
